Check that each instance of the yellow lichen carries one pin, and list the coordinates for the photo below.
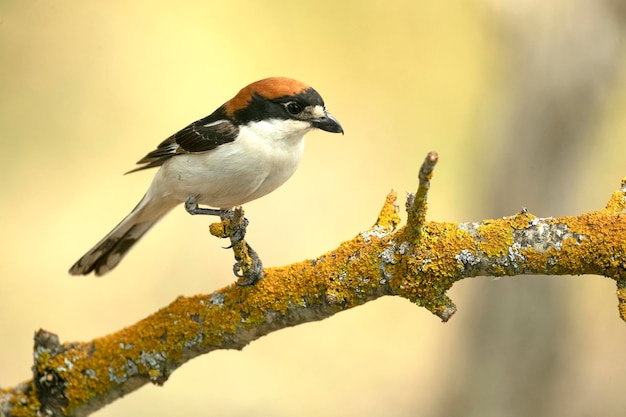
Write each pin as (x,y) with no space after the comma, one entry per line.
(430,268)
(389,217)
(24,404)
(617,202)
(494,239)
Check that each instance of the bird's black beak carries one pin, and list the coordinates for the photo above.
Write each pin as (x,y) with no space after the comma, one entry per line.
(328,123)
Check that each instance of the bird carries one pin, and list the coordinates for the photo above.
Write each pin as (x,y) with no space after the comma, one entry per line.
(242,151)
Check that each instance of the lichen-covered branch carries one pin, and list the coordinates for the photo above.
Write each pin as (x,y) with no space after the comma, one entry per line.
(419,261)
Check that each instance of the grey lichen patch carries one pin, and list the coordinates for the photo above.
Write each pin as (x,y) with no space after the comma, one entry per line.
(376,231)
(471,228)
(129,369)
(156,363)
(197,340)
(113,377)
(467,259)
(404,248)
(387,257)
(91,374)
(542,235)
(218,299)
(514,255)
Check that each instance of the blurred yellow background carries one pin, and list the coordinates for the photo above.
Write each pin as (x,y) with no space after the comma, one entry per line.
(89,87)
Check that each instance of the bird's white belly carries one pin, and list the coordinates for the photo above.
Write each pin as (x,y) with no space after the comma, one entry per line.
(230,175)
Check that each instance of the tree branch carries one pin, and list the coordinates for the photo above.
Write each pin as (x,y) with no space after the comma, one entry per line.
(419,261)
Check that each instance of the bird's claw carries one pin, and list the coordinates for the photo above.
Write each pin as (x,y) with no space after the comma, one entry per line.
(191,205)
(249,270)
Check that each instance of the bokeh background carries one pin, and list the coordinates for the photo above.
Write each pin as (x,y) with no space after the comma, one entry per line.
(524,101)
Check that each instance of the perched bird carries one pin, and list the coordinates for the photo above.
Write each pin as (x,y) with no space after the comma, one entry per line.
(244,150)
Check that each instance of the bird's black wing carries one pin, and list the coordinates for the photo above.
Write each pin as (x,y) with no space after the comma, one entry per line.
(200,136)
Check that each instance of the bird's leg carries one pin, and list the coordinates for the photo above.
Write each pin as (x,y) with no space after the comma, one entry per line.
(191,205)
(238,231)
(249,268)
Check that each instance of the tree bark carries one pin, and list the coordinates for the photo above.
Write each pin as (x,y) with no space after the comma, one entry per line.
(419,261)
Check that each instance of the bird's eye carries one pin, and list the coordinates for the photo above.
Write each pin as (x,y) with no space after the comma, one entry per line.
(293,107)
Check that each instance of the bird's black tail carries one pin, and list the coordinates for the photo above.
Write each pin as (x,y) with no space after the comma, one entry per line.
(107,253)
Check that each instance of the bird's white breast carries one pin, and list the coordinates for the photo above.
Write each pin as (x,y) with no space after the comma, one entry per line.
(263,157)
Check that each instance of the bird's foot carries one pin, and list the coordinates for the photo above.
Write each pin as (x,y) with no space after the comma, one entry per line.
(249,268)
